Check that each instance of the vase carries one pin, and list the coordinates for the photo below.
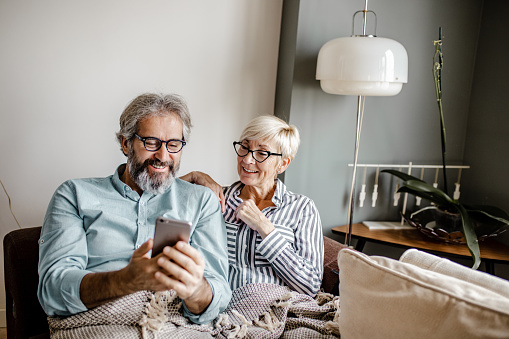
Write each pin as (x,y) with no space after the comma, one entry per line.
(439,224)
(448,227)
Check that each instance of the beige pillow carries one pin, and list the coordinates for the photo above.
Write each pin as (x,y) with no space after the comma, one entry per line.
(434,263)
(385,298)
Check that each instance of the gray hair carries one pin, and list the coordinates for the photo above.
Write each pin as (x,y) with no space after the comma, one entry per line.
(148,105)
(269,127)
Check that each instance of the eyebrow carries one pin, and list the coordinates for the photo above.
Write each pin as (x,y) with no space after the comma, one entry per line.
(259,145)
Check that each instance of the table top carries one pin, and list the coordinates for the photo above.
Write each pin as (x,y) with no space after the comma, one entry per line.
(413,238)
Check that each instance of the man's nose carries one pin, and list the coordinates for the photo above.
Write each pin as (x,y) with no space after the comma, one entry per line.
(162,153)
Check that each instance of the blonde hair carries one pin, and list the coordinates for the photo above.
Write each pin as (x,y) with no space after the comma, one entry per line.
(269,127)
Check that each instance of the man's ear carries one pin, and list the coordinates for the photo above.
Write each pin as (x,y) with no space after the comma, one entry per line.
(125,145)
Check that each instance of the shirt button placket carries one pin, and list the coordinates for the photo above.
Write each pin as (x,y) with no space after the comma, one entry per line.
(142,220)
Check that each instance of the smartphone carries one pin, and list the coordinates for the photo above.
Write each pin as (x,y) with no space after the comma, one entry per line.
(169,232)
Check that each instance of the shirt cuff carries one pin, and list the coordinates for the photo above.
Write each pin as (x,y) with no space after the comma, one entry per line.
(217,305)
(71,291)
(272,246)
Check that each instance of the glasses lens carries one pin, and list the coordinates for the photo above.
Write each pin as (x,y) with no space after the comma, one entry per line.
(152,144)
(260,155)
(174,146)
(241,150)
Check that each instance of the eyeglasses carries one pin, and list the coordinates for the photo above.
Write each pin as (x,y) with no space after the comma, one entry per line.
(258,155)
(153,144)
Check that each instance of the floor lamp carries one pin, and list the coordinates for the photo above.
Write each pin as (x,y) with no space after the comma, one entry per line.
(361,65)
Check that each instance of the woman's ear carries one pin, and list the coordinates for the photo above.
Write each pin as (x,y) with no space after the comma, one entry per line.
(283,165)
(125,145)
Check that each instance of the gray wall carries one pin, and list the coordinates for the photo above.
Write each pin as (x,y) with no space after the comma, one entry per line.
(487,137)
(405,127)
(396,129)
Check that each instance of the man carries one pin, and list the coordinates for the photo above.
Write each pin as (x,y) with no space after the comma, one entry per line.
(97,234)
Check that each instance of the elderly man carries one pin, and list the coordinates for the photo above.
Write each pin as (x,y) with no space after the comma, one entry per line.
(97,234)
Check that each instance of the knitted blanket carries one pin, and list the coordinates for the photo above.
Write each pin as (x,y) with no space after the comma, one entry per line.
(255,311)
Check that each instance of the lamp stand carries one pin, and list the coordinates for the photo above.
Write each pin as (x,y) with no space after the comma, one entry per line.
(360,114)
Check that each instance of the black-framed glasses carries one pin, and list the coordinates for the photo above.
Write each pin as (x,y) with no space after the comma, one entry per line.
(258,155)
(154,144)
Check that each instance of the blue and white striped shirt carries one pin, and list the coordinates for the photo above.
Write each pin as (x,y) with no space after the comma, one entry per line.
(291,255)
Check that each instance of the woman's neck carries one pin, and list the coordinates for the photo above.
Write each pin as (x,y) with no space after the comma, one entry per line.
(262,196)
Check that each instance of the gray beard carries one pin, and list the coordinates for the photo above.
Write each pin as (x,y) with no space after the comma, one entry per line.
(155,184)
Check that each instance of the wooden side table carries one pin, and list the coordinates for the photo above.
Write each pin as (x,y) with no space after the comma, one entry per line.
(491,251)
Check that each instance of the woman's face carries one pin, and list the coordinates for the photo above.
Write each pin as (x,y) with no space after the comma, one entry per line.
(258,174)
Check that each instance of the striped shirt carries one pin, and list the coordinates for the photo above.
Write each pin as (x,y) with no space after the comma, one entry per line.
(291,255)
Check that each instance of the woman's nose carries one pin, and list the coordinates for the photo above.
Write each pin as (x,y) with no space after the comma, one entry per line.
(249,159)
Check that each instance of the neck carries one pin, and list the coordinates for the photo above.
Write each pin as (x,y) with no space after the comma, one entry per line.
(258,194)
(126,179)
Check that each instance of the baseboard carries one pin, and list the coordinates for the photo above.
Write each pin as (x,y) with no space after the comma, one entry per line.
(3,319)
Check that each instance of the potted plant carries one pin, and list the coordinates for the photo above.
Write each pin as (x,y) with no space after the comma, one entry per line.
(475,220)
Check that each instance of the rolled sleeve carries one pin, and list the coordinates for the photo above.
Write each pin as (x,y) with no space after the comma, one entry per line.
(209,237)
(63,259)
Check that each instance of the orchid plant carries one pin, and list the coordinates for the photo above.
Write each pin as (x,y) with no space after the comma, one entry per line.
(475,220)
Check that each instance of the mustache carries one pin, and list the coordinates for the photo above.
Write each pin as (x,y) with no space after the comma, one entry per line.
(159,163)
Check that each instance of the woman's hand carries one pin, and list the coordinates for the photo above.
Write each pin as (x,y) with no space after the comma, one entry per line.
(204,179)
(249,213)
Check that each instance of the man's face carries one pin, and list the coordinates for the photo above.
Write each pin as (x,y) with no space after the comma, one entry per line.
(153,172)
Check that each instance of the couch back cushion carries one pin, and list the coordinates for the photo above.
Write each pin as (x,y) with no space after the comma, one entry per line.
(385,298)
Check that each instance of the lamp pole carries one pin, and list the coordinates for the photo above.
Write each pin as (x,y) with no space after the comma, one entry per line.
(360,114)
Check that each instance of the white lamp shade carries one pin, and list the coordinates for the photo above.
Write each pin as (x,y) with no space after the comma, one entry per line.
(363,66)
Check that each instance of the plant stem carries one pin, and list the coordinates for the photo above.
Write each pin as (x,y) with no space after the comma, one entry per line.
(437,76)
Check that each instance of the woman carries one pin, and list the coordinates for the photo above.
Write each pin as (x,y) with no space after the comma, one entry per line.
(274,235)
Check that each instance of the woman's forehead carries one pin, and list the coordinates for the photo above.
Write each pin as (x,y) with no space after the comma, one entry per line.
(267,143)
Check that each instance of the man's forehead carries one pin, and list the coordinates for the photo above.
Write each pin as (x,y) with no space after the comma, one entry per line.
(161,123)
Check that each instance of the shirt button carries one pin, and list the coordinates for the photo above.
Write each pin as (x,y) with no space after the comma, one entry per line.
(142,203)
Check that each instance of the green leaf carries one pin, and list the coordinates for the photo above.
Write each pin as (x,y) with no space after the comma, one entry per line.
(470,236)
(428,192)
(401,175)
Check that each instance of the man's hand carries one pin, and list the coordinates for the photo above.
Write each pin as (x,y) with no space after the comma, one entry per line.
(179,268)
(182,270)
(99,288)
(204,179)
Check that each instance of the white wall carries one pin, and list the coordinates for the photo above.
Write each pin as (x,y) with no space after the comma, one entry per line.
(68,68)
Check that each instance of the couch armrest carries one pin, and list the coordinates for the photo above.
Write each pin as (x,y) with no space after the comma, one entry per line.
(330,279)
(25,317)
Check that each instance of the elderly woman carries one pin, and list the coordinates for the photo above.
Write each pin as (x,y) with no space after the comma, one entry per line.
(274,235)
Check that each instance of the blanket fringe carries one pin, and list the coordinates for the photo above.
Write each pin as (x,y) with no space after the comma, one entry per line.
(285,301)
(156,312)
(270,321)
(240,331)
(323,297)
(333,326)
(222,320)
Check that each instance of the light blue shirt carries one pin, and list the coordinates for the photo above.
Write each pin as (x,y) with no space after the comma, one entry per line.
(94,225)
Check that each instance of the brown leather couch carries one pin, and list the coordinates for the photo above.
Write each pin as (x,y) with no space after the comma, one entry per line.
(25,317)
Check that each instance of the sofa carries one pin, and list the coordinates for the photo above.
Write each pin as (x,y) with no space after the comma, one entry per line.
(25,317)
(418,296)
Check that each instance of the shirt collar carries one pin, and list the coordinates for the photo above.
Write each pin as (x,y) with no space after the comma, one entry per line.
(119,185)
(279,193)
